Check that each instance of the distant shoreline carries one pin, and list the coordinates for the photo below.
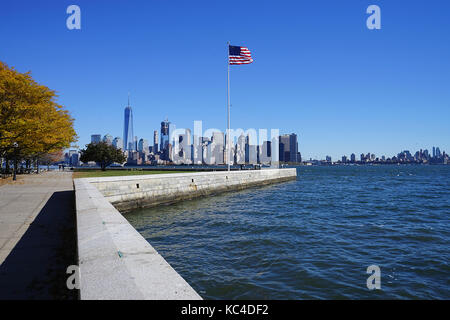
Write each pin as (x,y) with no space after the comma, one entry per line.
(374,163)
(246,167)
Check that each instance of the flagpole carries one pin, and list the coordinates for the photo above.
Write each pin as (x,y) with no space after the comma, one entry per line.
(228,103)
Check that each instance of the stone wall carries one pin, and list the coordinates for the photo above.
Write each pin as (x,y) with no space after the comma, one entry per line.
(131,192)
(115,261)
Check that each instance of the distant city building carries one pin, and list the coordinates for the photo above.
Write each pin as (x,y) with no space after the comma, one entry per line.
(96,138)
(75,159)
(197,150)
(171,146)
(288,148)
(71,158)
(218,145)
(293,148)
(240,150)
(155,141)
(108,139)
(118,143)
(404,157)
(251,151)
(208,152)
(134,158)
(182,151)
(128,133)
(266,153)
(143,146)
(438,152)
(164,135)
(284,148)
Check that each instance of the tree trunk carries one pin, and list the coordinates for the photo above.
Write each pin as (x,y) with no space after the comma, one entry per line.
(15,167)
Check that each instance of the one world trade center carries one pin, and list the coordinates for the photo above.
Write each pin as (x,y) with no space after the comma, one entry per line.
(128,135)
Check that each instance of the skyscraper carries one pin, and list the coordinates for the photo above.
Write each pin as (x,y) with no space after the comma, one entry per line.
(288,148)
(155,141)
(108,139)
(218,140)
(266,152)
(293,147)
(118,143)
(164,135)
(128,134)
(143,146)
(251,151)
(96,138)
(240,150)
(438,152)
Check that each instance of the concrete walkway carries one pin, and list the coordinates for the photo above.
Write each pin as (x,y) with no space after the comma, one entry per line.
(37,236)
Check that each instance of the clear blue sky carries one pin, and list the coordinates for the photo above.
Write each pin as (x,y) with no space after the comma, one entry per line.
(318,71)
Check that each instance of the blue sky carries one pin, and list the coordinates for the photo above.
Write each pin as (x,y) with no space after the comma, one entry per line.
(318,71)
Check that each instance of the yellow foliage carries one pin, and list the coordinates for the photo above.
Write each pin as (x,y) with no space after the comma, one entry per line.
(30,118)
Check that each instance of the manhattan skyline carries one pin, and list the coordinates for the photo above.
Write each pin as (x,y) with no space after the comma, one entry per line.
(317,70)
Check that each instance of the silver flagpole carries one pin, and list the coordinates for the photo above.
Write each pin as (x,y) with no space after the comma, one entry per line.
(228,102)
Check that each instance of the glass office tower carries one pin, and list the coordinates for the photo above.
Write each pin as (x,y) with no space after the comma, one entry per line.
(164,135)
(128,135)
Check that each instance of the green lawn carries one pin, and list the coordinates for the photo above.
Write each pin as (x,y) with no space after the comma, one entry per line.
(113,173)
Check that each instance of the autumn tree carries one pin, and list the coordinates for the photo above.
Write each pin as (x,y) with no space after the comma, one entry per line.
(51,157)
(102,153)
(32,124)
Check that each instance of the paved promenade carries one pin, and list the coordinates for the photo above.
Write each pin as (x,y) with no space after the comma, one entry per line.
(37,236)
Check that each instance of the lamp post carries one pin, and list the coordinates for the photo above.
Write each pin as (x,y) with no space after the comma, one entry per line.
(15,145)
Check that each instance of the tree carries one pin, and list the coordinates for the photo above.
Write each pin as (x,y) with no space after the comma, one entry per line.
(31,122)
(52,157)
(102,153)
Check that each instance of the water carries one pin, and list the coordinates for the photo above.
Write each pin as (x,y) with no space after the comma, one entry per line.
(315,237)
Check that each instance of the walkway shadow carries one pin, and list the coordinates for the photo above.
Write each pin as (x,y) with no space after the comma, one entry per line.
(36,267)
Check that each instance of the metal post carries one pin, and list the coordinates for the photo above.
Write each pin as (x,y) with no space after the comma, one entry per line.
(228,102)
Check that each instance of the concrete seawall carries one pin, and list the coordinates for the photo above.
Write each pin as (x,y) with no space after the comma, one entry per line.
(115,261)
(130,192)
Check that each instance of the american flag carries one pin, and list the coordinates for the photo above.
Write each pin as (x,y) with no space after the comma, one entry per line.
(239,55)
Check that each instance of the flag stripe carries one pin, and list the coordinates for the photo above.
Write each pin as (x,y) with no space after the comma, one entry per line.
(239,55)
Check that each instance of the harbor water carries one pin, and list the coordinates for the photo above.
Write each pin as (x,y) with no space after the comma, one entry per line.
(315,237)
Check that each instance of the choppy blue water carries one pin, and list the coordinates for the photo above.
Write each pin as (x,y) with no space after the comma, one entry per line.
(315,237)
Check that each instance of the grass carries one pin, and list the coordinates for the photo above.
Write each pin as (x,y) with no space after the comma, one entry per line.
(114,173)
